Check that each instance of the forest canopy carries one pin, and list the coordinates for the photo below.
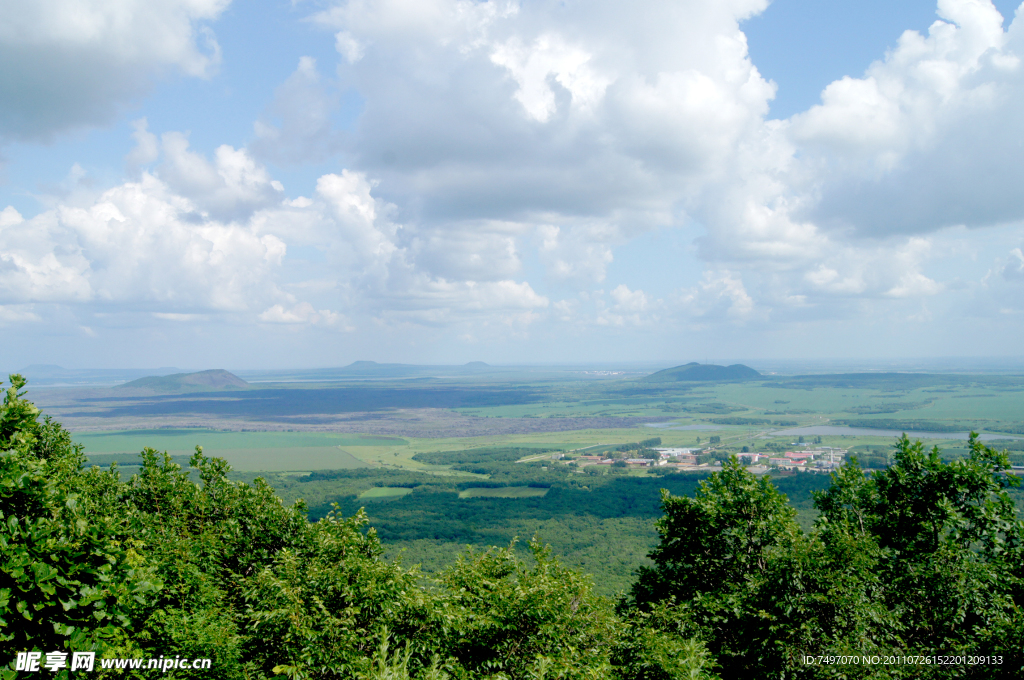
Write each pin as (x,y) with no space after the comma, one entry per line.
(922,560)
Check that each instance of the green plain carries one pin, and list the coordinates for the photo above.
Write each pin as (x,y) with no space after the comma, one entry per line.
(132,441)
(384,493)
(503,492)
(306,458)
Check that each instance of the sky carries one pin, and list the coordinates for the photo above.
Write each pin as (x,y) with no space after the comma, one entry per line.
(275,184)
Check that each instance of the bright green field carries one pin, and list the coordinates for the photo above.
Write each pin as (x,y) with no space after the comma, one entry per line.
(976,404)
(305,458)
(384,493)
(954,403)
(504,492)
(185,440)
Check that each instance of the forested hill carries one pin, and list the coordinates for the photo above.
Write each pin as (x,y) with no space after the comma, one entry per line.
(217,379)
(703,372)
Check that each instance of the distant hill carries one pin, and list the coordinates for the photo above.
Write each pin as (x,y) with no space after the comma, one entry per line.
(707,372)
(216,379)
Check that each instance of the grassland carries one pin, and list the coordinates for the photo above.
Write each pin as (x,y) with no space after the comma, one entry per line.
(505,492)
(185,440)
(384,493)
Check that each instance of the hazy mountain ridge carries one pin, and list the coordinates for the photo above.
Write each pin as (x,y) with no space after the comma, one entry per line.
(694,371)
(214,379)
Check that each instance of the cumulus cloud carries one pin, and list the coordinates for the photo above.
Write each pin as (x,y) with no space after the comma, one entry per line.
(194,238)
(475,251)
(1014,269)
(720,296)
(549,58)
(920,141)
(632,307)
(11,315)
(302,313)
(232,186)
(895,271)
(146,149)
(585,128)
(594,125)
(627,300)
(77,62)
(506,151)
(546,109)
(303,105)
(578,254)
(135,244)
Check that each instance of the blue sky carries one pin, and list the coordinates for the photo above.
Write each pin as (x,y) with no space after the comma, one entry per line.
(287,184)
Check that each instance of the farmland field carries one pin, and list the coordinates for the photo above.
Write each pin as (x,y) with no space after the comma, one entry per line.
(439,466)
(187,439)
(384,493)
(505,492)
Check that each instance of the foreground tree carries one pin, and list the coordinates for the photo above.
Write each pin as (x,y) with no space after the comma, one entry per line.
(924,558)
(946,542)
(714,553)
(66,581)
(184,562)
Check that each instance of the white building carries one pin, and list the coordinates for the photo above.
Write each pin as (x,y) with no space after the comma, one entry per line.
(672,453)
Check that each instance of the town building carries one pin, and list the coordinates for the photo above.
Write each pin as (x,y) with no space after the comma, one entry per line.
(800,455)
(677,452)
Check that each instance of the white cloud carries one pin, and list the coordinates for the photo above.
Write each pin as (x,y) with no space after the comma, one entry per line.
(194,239)
(230,187)
(17,314)
(1014,269)
(580,253)
(135,244)
(912,282)
(348,47)
(78,62)
(549,57)
(171,316)
(302,313)
(304,105)
(10,217)
(578,130)
(627,300)
(720,296)
(479,252)
(545,112)
(147,148)
(920,142)
(630,307)
(508,153)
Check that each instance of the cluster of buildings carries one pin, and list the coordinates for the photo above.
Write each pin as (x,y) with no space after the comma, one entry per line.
(822,458)
(818,458)
(631,462)
(682,457)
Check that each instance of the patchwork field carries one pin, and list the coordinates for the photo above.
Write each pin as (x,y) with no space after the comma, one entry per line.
(506,492)
(478,469)
(185,440)
(383,493)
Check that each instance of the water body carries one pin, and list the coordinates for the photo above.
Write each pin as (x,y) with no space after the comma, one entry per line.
(868,432)
(670,426)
